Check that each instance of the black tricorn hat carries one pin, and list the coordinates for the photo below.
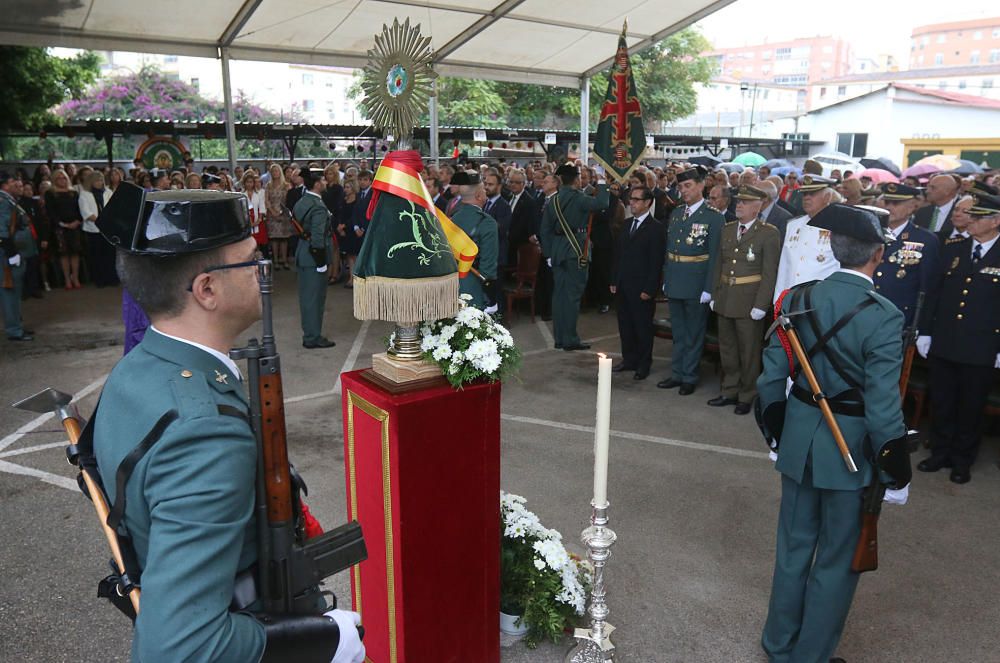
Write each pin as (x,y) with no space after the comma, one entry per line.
(164,223)
(464,177)
(880,213)
(696,173)
(567,169)
(854,222)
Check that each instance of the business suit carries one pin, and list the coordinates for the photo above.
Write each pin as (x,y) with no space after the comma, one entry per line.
(638,266)
(820,514)
(500,210)
(924,217)
(909,265)
(779,218)
(524,221)
(315,219)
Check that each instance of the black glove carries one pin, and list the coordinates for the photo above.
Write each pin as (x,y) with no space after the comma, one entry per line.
(894,459)
(303,638)
(319,256)
(771,421)
(8,245)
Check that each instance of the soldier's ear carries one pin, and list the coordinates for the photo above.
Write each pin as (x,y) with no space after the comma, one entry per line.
(203,291)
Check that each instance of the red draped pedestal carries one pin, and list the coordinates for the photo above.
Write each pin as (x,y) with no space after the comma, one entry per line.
(423,479)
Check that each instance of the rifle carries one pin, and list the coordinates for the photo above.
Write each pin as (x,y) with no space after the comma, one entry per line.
(8,273)
(910,346)
(289,567)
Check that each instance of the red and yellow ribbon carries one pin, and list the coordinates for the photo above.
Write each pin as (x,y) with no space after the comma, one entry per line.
(400,179)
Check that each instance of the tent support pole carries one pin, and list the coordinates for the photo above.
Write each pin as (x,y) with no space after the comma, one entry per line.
(227,94)
(584,119)
(435,145)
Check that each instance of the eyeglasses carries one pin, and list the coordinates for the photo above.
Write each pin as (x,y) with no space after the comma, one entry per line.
(636,200)
(233,265)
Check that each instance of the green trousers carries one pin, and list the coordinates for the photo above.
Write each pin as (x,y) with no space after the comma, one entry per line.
(312,301)
(740,342)
(10,301)
(569,282)
(688,319)
(813,583)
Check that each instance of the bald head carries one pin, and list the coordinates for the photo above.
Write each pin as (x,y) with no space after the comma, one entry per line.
(767,186)
(941,189)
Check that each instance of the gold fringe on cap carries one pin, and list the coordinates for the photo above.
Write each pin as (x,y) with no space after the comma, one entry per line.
(405,300)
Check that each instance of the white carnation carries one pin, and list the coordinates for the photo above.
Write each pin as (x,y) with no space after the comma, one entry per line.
(441,352)
(447,332)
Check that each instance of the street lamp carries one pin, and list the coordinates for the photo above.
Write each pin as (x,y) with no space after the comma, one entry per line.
(743,101)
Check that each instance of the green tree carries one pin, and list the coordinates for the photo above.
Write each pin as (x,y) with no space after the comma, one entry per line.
(33,81)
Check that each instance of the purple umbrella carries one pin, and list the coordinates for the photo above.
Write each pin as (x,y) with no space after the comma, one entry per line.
(921,170)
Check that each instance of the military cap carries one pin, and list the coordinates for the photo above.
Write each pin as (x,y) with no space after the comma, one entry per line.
(465,178)
(871,193)
(880,213)
(984,205)
(812,183)
(567,169)
(854,222)
(977,187)
(164,223)
(696,173)
(894,191)
(210,178)
(747,192)
(157,173)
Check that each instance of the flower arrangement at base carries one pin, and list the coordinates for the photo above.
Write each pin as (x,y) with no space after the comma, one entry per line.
(538,578)
(470,346)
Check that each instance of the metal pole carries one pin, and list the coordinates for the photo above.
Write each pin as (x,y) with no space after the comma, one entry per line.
(435,146)
(584,119)
(753,104)
(227,97)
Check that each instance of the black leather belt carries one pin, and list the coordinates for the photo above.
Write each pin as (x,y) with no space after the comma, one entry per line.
(838,404)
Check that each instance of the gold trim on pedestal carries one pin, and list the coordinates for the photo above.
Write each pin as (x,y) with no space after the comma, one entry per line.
(381,416)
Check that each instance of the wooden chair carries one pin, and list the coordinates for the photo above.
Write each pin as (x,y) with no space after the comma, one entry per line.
(529,255)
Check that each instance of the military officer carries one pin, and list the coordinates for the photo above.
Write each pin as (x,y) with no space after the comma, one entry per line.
(693,235)
(187,258)
(806,254)
(564,243)
(961,327)
(312,257)
(744,280)
(911,255)
(13,223)
(481,229)
(819,521)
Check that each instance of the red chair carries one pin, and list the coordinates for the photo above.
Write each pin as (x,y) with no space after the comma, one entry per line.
(529,255)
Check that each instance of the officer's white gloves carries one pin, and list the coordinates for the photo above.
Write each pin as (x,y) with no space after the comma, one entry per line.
(705,298)
(548,261)
(773,455)
(923,345)
(711,305)
(997,364)
(601,180)
(897,496)
(14,261)
(350,649)
(492,309)
(757,314)
(322,270)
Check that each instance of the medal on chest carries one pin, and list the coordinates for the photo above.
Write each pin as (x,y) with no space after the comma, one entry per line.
(751,256)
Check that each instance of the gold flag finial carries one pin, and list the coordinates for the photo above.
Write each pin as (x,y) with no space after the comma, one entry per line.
(625,26)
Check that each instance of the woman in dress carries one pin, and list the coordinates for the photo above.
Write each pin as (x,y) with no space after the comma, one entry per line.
(279,219)
(100,254)
(333,198)
(350,243)
(63,209)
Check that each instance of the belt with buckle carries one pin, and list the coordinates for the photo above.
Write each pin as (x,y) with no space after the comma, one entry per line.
(743,280)
(675,257)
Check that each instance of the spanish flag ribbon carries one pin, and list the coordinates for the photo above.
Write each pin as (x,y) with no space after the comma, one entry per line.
(400,179)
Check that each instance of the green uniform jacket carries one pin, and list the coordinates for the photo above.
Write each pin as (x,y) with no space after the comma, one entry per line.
(23,241)
(189,501)
(870,349)
(756,255)
(315,219)
(576,208)
(696,237)
(481,229)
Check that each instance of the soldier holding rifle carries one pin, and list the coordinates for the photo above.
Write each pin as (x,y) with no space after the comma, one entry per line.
(188,503)
(842,424)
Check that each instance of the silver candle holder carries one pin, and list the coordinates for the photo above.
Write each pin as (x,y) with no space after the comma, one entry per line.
(594,644)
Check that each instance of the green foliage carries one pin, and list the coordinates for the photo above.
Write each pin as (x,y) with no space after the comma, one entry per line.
(34,81)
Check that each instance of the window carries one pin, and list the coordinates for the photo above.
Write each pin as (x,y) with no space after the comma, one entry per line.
(977,35)
(169,59)
(307,79)
(938,58)
(822,92)
(329,82)
(783,54)
(196,83)
(974,57)
(940,39)
(994,55)
(986,84)
(308,105)
(942,85)
(924,40)
(766,92)
(996,33)
(854,144)
(841,90)
(961,85)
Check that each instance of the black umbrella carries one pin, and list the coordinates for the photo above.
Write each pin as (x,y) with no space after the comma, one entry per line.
(779,163)
(706,160)
(882,163)
(967,168)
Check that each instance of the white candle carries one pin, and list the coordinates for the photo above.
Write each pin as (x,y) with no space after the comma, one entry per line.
(602,430)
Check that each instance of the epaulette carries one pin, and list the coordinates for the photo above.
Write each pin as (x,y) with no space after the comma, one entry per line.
(954,240)
(765,224)
(192,394)
(730,223)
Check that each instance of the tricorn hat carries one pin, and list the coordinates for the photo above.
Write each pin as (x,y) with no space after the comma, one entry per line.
(464,177)
(567,169)
(696,173)
(854,222)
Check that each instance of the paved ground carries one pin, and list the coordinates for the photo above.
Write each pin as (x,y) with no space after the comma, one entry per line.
(694,501)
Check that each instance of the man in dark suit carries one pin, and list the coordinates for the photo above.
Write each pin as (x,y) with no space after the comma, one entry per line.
(433,185)
(298,188)
(524,215)
(773,213)
(942,194)
(500,210)
(359,221)
(636,280)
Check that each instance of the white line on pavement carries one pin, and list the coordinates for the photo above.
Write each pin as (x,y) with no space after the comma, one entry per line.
(352,357)
(47,477)
(28,450)
(539,351)
(546,334)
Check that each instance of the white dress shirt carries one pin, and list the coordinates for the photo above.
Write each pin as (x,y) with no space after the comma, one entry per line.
(230,364)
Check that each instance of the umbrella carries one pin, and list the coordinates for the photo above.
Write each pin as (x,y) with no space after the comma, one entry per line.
(751,159)
(921,170)
(782,171)
(778,163)
(706,160)
(876,175)
(967,168)
(882,163)
(731,167)
(942,161)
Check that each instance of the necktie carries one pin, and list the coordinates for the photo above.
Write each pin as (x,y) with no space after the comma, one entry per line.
(743,230)
(513,201)
(489,206)
(687,213)
(635,226)
(934,219)
(977,253)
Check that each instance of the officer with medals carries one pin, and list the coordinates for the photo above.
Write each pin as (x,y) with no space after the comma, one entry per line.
(744,280)
(312,256)
(961,341)
(806,254)
(858,366)
(564,242)
(481,229)
(911,253)
(188,259)
(693,236)
(14,230)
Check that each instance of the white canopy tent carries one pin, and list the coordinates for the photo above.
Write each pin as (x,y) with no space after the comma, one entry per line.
(546,42)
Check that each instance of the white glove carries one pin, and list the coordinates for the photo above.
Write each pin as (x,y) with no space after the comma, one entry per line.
(773,456)
(15,261)
(757,314)
(923,345)
(548,261)
(711,305)
(897,496)
(322,270)
(705,298)
(492,309)
(350,649)
(601,180)
(997,364)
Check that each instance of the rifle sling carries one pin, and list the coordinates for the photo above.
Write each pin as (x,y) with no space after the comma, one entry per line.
(567,231)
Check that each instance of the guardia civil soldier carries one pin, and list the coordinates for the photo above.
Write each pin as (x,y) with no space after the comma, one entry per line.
(910,260)
(693,235)
(564,243)
(312,257)
(858,367)
(13,224)
(481,229)
(744,280)
(188,259)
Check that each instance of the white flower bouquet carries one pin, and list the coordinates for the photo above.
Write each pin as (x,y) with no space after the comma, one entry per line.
(538,578)
(470,346)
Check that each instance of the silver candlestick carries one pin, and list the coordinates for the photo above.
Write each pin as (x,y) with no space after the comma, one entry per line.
(594,644)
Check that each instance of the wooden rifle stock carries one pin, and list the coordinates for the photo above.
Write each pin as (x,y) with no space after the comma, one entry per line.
(277,473)
(866,552)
